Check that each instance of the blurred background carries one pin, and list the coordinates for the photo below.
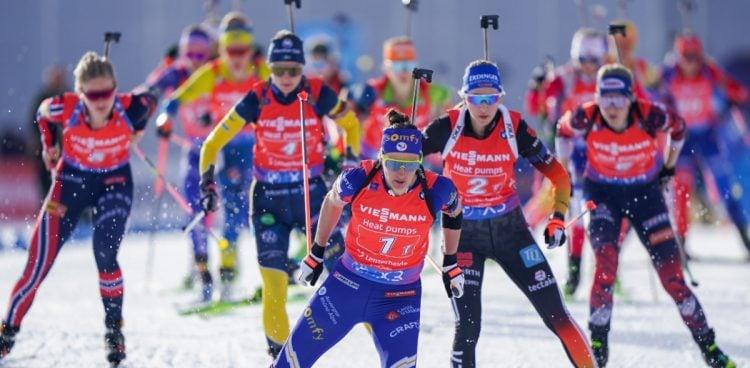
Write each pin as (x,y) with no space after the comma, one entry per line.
(37,35)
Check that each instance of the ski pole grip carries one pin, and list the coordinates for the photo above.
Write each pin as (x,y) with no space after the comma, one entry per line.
(617,28)
(302,96)
(420,73)
(297,3)
(486,21)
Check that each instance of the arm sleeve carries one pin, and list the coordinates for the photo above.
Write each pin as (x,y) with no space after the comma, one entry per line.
(142,106)
(532,148)
(49,120)
(200,83)
(229,126)
(248,108)
(444,196)
(328,103)
(349,182)
(436,135)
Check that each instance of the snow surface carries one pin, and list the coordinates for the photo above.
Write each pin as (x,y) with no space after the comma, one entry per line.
(64,327)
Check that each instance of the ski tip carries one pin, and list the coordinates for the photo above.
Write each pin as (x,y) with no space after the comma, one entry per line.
(590,205)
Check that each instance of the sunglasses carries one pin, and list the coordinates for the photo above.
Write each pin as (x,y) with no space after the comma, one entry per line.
(618,101)
(589,59)
(393,164)
(401,66)
(292,71)
(483,99)
(197,56)
(238,51)
(99,95)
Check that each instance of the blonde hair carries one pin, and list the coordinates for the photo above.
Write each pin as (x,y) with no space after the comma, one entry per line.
(92,66)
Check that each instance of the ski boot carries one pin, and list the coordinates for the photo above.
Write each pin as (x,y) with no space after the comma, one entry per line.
(207,288)
(7,339)
(228,268)
(600,346)
(114,343)
(713,356)
(273,349)
(227,275)
(574,276)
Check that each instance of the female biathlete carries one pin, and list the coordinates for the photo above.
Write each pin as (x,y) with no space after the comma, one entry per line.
(91,168)
(223,82)
(624,174)
(195,49)
(394,202)
(271,109)
(480,143)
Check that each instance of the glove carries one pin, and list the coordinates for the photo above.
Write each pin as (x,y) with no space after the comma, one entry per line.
(206,119)
(50,156)
(350,160)
(554,233)
(163,125)
(665,175)
(311,266)
(538,75)
(209,194)
(453,276)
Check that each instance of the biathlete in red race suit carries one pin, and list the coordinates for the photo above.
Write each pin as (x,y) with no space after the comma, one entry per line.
(272,111)
(91,168)
(394,203)
(480,143)
(703,94)
(624,175)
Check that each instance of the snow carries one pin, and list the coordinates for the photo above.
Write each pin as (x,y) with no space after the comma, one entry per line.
(64,327)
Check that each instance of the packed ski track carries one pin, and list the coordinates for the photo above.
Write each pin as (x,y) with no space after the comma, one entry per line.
(63,328)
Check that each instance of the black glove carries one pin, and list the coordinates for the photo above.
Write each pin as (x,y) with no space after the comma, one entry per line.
(538,75)
(665,175)
(312,265)
(554,233)
(453,276)
(206,119)
(209,194)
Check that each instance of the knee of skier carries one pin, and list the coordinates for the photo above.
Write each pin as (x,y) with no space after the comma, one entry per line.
(606,264)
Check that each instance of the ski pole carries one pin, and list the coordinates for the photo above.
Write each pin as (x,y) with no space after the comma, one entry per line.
(417,74)
(110,37)
(302,96)
(680,247)
(180,141)
(614,29)
(170,188)
(590,205)
(485,22)
(289,3)
(411,7)
(434,264)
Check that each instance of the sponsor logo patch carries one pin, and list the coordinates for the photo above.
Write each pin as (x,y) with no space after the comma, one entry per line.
(400,294)
(531,256)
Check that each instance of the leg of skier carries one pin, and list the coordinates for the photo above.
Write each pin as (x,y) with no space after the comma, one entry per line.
(473,246)
(515,249)
(393,313)
(604,229)
(198,234)
(729,188)
(56,220)
(110,217)
(336,307)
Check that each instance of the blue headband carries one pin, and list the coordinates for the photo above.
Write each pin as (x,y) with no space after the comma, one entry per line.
(615,83)
(481,76)
(287,48)
(401,140)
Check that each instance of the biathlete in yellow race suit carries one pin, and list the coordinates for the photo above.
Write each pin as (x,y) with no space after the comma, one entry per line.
(223,82)
(272,110)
